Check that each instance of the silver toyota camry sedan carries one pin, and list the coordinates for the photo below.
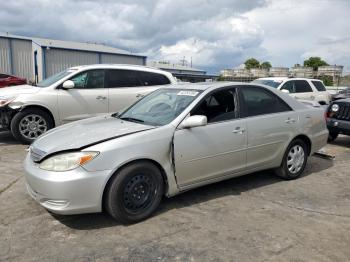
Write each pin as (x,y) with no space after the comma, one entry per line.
(173,140)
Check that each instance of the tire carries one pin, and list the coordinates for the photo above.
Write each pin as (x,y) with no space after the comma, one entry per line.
(286,170)
(30,123)
(134,193)
(332,136)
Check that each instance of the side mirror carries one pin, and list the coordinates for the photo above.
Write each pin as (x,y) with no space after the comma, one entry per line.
(194,121)
(69,84)
(285,91)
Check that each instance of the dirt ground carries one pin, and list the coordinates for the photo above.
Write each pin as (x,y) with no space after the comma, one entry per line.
(257,217)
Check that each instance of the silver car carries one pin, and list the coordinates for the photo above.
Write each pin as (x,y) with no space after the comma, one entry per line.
(173,140)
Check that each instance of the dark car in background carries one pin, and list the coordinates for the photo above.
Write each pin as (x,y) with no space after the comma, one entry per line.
(342,94)
(9,80)
(338,118)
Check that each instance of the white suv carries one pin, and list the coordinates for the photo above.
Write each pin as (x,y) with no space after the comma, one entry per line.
(73,94)
(299,88)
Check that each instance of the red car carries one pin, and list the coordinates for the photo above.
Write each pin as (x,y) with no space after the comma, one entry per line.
(8,80)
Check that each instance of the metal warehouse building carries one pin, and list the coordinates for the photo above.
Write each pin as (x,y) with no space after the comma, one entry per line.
(38,58)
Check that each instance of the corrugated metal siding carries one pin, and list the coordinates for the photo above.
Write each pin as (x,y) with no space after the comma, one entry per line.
(57,60)
(22,58)
(5,64)
(120,59)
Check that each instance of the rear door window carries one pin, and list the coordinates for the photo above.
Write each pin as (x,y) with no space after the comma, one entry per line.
(153,79)
(258,101)
(302,86)
(122,78)
(319,85)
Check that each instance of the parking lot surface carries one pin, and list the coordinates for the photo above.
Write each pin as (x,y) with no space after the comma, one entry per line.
(257,217)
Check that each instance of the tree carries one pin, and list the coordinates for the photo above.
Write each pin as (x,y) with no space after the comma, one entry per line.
(251,63)
(327,80)
(221,78)
(315,62)
(266,65)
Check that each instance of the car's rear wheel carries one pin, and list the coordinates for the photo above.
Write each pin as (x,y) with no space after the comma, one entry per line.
(332,136)
(29,124)
(134,193)
(294,160)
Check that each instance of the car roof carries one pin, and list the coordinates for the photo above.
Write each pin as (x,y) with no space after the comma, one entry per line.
(120,66)
(282,78)
(212,85)
(274,78)
(207,87)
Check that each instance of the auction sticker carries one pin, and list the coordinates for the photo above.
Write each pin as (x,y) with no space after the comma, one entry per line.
(187,93)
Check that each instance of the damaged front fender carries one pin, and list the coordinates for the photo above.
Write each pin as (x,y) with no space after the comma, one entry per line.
(6,115)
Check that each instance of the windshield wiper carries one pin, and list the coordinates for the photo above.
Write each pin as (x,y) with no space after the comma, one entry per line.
(131,119)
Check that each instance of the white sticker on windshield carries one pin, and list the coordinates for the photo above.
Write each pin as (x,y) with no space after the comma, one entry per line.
(187,93)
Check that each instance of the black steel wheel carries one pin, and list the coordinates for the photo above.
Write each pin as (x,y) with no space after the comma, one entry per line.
(134,192)
(139,193)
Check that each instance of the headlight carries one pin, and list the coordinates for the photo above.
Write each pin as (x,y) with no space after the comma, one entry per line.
(67,161)
(335,108)
(6,100)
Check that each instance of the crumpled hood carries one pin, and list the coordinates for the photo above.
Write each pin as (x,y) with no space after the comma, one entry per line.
(18,90)
(83,133)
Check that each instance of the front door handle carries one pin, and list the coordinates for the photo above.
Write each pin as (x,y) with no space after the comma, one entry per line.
(290,121)
(238,130)
(140,95)
(101,98)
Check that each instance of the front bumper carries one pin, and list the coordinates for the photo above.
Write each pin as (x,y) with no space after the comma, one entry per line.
(6,115)
(338,126)
(73,192)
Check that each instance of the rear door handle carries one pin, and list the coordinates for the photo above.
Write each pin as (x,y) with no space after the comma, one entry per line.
(238,130)
(101,98)
(140,95)
(290,120)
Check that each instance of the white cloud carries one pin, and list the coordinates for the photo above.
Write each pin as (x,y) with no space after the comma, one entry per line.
(215,33)
(295,30)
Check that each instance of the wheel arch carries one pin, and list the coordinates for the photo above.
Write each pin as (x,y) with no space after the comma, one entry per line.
(306,140)
(115,173)
(43,108)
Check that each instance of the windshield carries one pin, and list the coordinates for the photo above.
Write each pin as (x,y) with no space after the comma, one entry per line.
(160,107)
(52,79)
(267,82)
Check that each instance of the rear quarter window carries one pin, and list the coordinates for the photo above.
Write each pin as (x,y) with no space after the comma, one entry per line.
(319,85)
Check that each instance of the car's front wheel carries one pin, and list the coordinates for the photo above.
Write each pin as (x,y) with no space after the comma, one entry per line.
(134,193)
(294,160)
(29,124)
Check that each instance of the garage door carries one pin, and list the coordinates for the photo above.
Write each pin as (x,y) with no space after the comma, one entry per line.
(57,60)
(22,60)
(5,65)
(121,59)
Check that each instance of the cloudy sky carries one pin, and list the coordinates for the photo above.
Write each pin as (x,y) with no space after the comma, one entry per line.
(217,34)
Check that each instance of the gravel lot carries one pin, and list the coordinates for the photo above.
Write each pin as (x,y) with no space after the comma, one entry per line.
(257,217)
